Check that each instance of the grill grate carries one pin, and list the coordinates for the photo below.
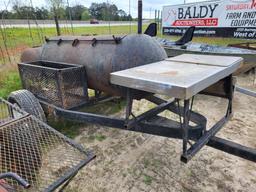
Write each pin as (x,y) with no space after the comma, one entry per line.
(60,84)
(36,152)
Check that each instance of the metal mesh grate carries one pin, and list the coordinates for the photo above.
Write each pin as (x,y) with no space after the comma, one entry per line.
(63,85)
(36,152)
(9,113)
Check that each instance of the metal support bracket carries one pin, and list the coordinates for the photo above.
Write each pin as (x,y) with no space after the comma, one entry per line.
(245,91)
(129,123)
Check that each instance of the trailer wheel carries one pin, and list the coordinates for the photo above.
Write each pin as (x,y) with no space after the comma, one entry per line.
(27,102)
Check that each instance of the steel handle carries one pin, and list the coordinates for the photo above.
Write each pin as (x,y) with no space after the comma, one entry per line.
(16,177)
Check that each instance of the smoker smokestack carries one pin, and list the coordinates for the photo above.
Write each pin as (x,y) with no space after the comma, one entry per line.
(139,16)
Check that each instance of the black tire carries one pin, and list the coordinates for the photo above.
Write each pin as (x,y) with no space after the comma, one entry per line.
(27,102)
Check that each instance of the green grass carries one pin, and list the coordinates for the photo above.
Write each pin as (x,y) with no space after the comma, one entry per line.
(100,137)
(8,83)
(147,179)
(109,107)
(3,111)
(146,163)
(16,37)
(68,128)
(97,137)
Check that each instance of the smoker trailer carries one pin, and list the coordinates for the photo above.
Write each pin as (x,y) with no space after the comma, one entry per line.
(60,73)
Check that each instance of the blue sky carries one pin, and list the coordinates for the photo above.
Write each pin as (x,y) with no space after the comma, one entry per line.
(124,4)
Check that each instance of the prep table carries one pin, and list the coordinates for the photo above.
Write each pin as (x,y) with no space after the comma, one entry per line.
(183,77)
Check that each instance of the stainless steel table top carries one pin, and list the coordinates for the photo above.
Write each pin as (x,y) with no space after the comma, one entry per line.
(181,77)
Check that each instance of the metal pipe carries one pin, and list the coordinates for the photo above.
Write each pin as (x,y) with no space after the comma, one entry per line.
(139,16)
(155,16)
(203,140)
(158,19)
(150,113)
(246,91)
(70,17)
(185,126)
(130,20)
(56,21)
(16,177)
(233,148)
(168,128)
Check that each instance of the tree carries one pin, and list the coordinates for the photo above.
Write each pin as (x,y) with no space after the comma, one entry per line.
(20,11)
(106,11)
(100,11)
(41,13)
(23,12)
(57,9)
(6,14)
(95,11)
(129,18)
(112,11)
(122,15)
(76,11)
(85,15)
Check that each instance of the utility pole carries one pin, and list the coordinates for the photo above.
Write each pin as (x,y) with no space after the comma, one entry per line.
(155,16)
(139,16)
(158,19)
(56,21)
(70,17)
(108,13)
(130,26)
(161,20)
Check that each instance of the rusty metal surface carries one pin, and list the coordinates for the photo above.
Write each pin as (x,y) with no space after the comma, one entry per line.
(37,153)
(31,54)
(100,58)
(175,78)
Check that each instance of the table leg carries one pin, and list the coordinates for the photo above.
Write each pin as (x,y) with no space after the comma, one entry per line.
(209,134)
(185,125)
(129,101)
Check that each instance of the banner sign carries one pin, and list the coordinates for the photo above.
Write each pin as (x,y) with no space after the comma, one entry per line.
(223,18)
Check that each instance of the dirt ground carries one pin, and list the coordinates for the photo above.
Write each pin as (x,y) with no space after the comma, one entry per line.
(128,161)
